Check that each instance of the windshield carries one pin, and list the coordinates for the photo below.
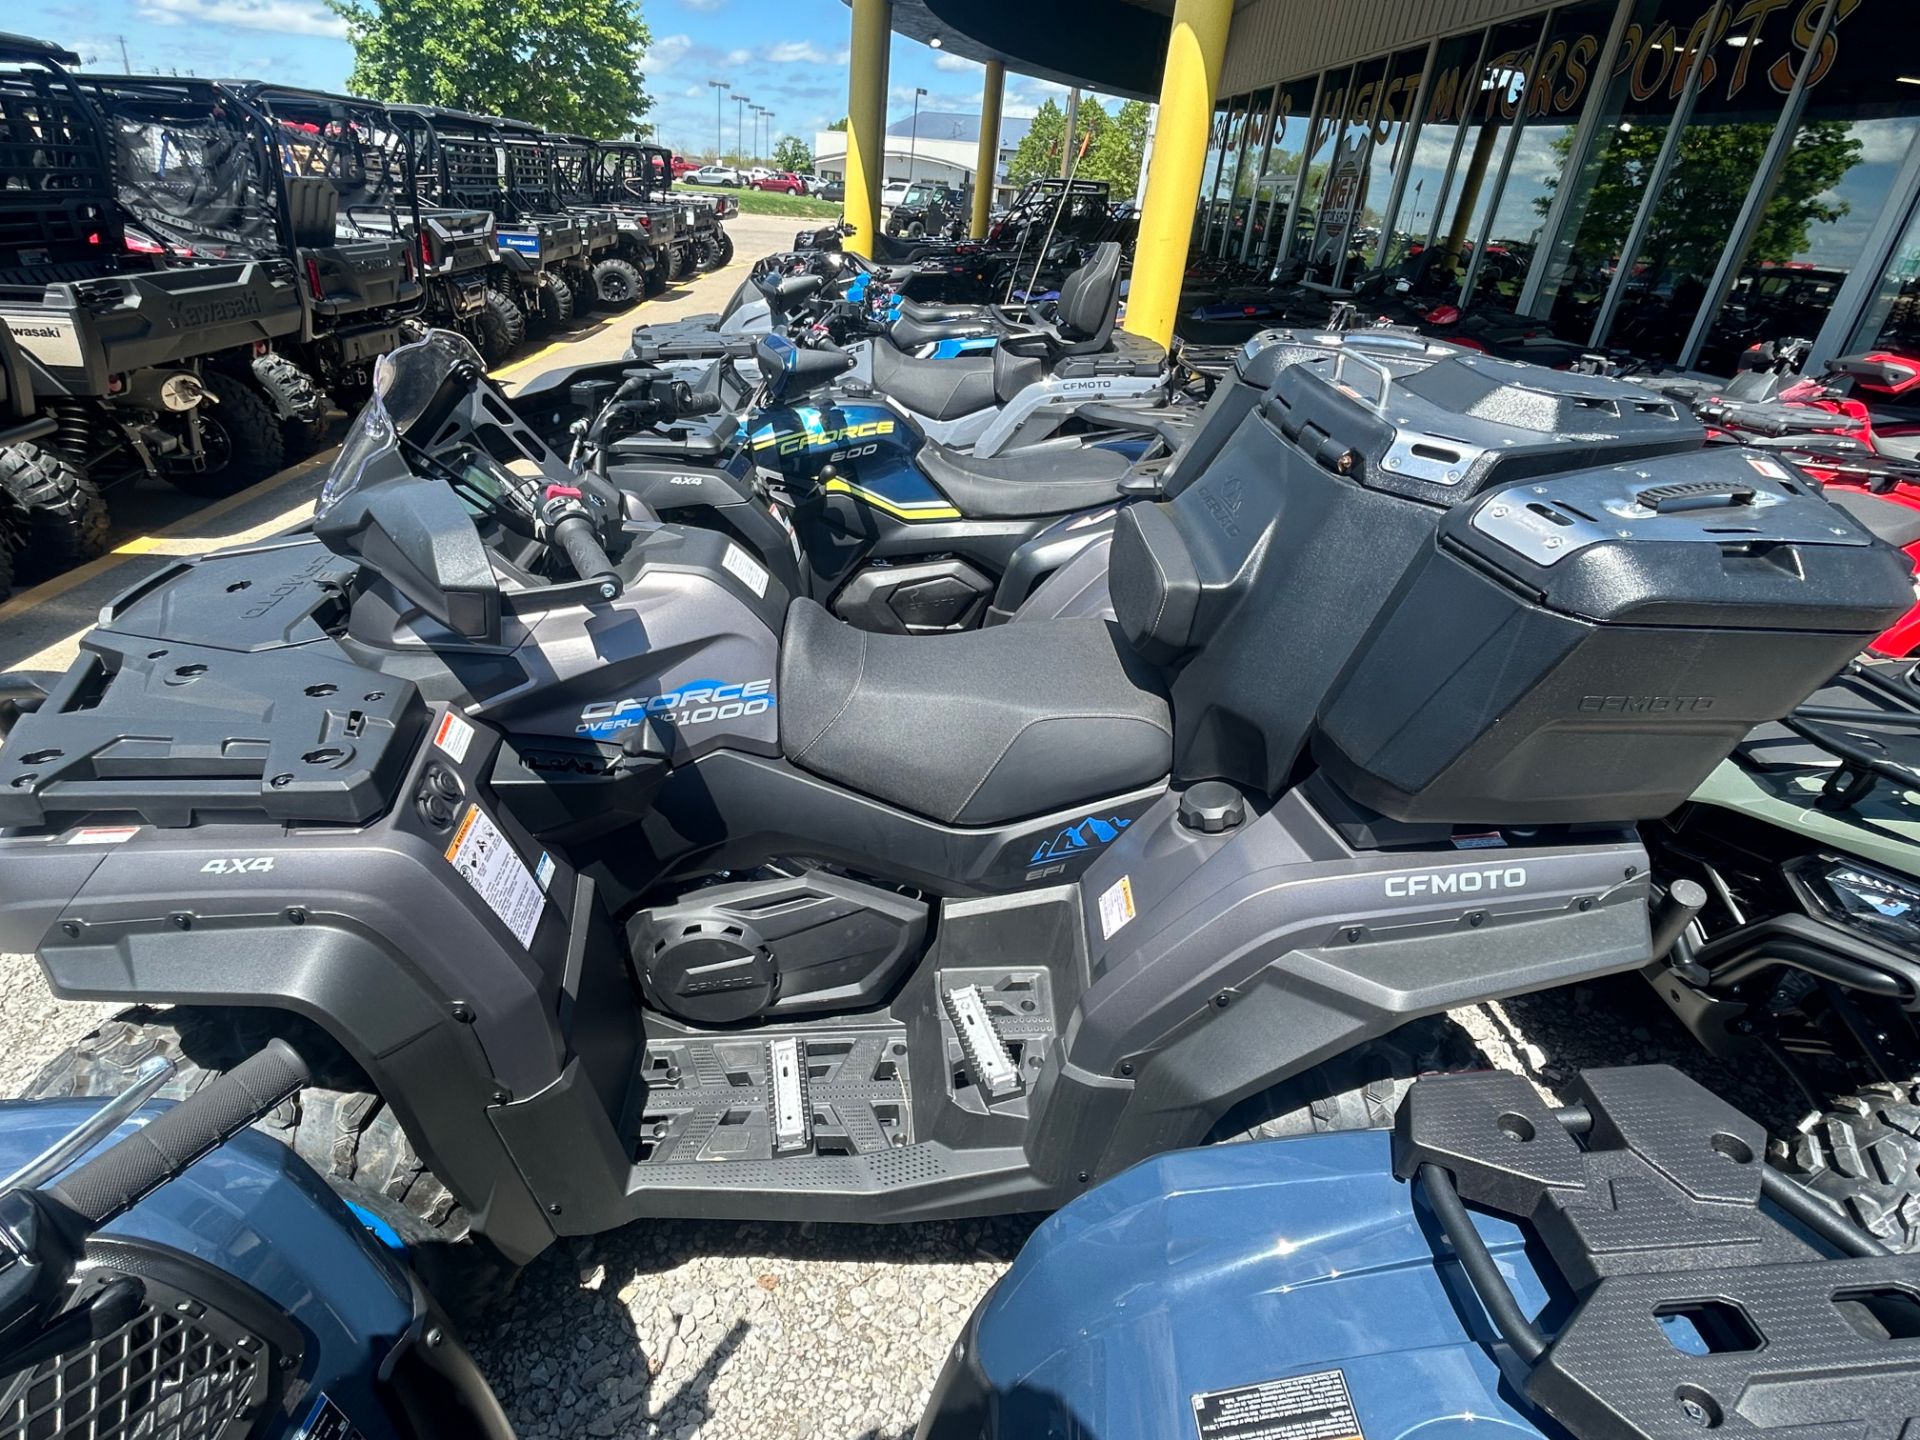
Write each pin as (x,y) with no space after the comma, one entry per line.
(405,383)
(925,195)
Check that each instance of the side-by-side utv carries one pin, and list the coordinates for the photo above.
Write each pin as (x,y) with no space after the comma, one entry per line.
(532,178)
(200,182)
(644,231)
(461,165)
(145,368)
(372,165)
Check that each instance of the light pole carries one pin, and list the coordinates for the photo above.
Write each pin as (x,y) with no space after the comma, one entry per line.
(719,105)
(740,120)
(913,140)
(760,112)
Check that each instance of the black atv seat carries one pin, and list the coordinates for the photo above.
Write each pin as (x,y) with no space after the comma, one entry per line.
(1885,519)
(1039,480)
(927,312)
(974,728)
(938,389)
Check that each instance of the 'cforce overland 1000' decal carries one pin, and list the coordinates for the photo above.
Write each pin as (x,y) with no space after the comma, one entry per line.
(699,702)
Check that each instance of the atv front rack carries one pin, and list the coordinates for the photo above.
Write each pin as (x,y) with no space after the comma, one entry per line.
(1708,1290)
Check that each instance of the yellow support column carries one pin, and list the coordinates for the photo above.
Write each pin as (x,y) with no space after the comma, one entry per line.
(986,164)
(867,121)
(1188,87)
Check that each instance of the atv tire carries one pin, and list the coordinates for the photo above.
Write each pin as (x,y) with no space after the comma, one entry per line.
(723,250)
(13,534)
(617,283)
(242,438)
(1359,1090)
(676,264)
(62,509)
(337,1125)
(503,327)
(298,400)
(1863,1155)
(556,302)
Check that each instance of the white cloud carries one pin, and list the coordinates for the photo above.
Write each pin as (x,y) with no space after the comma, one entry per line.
(739,57)
(667,51)
(944,61)
(707,5)
(802,52)
(286,17)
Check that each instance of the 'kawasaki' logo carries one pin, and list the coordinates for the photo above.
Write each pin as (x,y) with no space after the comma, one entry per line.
(38,332)
(1457,882)
(212,312)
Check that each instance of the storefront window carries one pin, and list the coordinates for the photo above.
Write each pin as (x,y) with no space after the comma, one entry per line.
(1210,176)
(1576,36)
(1339,219)
(1388,142)
(1306,244)
(1240,209)
(1745,70)
(1892,321)
(1280,173)
(1861,119)
(1499,100)
(1447,107)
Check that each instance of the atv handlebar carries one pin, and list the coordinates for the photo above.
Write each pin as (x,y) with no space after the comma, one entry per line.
(576,536)
(115,1181)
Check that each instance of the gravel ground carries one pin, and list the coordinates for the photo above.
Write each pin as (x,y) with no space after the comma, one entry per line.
(776,1332)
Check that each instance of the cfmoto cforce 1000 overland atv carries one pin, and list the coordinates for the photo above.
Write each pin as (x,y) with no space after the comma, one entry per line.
(143,365)
(637,887)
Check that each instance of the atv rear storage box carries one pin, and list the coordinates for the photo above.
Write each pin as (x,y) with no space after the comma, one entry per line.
(1265,573)
(1589,646)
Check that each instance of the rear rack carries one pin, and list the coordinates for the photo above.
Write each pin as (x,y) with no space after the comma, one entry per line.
(1695,1306)
(174,733)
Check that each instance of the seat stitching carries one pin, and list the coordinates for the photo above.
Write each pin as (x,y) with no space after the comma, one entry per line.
(852,690)
(1166,586)
(1042,720)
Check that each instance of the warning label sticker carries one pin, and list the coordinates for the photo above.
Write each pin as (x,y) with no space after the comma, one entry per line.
(488,863)
(1300,1407)
(453,736)
(1116,907)
(750,572)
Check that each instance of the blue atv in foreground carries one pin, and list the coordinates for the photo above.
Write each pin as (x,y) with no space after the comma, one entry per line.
(194,1280)
(1629,1266)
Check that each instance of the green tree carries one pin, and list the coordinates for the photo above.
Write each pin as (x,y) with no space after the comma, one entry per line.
(792,153)
(1713,168)
(1038,153)
(570,65)
(840,124)
(1119,143)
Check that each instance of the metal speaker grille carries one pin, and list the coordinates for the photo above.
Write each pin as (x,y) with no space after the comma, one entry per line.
(168,1374)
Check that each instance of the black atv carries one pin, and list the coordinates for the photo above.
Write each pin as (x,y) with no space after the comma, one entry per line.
(646,232)
(639,887)
(144,364)
(372,166)
(200,181)
(461,165)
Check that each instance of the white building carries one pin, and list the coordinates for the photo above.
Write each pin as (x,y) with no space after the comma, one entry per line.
(944,150)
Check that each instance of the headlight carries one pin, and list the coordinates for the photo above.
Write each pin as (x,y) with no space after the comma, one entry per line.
(1861,897)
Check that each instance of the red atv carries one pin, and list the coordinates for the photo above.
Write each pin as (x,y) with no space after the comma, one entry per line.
(1856,429)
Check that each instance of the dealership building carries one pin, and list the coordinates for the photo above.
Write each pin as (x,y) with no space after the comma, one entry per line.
(1681,178)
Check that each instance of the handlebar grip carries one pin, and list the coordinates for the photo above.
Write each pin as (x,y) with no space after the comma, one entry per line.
(694,403)
(586,554)
(116,1180)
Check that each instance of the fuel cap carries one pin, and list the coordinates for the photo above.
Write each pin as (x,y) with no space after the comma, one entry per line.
(1212,807)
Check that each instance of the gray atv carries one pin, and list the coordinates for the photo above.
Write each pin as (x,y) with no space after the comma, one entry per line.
(635,886)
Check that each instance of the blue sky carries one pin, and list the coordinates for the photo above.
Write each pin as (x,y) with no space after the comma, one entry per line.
(788,55)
